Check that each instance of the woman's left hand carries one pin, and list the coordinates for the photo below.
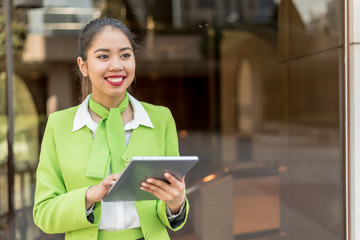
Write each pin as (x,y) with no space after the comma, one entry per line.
(172,193)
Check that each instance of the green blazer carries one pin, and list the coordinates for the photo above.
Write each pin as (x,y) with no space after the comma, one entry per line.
(61,181)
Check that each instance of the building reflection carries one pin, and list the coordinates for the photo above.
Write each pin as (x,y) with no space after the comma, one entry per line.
(254,88)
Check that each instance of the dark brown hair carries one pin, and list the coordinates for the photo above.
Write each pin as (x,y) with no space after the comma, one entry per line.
(87,36)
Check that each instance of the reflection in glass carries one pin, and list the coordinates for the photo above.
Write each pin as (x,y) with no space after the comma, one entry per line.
(62,17)
(253,87)
(319,16)
(312,25)
(26,151)
(26,146)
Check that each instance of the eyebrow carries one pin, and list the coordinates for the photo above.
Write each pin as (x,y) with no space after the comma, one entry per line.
(108,50)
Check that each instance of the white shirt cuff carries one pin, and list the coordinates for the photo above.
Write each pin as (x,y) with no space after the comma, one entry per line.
(173,216)
(90,210)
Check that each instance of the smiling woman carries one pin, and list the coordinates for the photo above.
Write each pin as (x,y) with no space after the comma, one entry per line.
(86,147)
(98,44)
(110,66)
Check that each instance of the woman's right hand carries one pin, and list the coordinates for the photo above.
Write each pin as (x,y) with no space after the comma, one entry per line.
(98,192)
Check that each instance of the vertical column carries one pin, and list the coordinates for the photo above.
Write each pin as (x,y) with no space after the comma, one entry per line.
(352,57)
(60,87)
(10,113)
(220,11)
(176,13)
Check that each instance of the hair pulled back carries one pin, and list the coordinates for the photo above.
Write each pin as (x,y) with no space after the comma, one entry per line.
(86,38)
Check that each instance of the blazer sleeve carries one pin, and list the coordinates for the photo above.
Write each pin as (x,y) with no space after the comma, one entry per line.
(55,209)
(171,149)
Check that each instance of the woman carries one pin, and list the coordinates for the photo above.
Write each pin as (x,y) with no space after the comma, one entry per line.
(83,145)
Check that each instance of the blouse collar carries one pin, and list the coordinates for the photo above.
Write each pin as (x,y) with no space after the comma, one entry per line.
(83,118)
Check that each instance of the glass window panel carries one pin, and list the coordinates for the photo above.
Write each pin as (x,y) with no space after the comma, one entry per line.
(314,154)
(253,87)
(313,25)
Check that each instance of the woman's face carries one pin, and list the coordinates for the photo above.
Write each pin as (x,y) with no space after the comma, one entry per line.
(110,65)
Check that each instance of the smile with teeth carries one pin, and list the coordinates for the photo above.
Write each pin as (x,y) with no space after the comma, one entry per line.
(115,80)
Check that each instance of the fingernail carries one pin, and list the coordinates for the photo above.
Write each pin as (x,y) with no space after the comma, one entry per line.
(149,180)
(167,175)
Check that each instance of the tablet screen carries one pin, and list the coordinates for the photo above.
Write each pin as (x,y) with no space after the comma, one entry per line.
(127,186)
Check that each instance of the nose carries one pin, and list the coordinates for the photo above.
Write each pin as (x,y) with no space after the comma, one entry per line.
(116,64)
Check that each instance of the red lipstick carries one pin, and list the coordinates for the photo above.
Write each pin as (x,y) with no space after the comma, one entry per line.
(115,80)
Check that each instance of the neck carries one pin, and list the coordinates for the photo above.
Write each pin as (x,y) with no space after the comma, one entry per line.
(109,101)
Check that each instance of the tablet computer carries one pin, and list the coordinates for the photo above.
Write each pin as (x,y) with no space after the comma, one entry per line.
(127,186)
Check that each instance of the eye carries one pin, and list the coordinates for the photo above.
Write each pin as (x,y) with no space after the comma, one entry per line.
(126,55)
(103,56)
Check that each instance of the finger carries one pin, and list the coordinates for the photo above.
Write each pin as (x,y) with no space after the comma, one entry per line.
(158,183)
(107,183)
(172,189)
(159,192)
(170,178)
(175,182)
(182,179)
(114,176)
(109,180)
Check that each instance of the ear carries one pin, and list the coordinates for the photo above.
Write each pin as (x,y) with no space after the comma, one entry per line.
(82,66)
